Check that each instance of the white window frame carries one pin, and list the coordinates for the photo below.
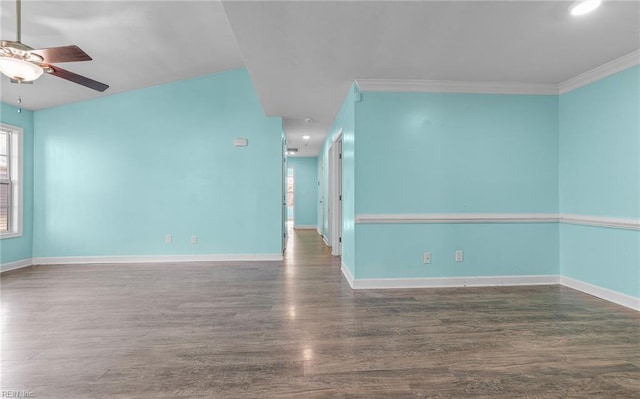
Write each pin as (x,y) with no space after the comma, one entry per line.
(17,176)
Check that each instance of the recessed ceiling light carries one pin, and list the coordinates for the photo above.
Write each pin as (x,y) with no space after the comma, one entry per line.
(308,119)
(306,137)
(583,7)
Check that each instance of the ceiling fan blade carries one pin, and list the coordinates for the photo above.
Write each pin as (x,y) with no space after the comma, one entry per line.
(79,79)
(62,54)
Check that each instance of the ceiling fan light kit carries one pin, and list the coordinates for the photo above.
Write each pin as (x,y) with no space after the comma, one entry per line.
(20,70)
(22,63)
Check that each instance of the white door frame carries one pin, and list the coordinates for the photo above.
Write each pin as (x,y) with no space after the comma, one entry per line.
(329,198)
(335,198)
(321,200)
(284,195)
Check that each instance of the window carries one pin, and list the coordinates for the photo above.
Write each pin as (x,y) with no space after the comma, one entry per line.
(10,181)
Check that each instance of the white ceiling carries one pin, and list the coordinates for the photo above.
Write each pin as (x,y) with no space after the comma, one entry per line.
(303,55)
(133,44)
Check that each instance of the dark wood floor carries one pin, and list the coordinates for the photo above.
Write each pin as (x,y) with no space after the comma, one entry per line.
(294,329)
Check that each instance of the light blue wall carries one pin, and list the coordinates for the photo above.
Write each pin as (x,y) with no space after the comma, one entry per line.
(608,258)
(345,123)
(600,147)
(116,174)
(600,176)
(306,190)
(456,153)
(19,248)
(396,250)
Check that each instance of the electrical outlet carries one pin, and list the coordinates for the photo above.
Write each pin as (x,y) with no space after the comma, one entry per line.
(459,256)
(427,257)
(194,239)
(168,239)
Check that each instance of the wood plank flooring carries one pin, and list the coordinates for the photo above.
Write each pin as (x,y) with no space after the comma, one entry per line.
(294,329)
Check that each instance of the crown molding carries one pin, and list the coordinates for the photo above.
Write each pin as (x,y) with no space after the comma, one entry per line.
(601,72)
(448,86)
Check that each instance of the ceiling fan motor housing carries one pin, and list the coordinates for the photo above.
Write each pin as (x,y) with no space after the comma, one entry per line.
(20,51)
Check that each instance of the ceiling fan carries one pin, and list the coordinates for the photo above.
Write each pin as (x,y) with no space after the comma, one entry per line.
(23,64)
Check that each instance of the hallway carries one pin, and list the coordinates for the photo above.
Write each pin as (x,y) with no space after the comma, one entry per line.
(295,329)
(305,248)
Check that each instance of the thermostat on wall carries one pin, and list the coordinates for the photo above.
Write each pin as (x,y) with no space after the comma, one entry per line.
(241,142)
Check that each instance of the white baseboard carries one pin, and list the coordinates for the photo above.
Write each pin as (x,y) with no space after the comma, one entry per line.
(618,298)
(19,264)
(74,260)
(441,282)
(325,241)
(347,274)
(318,230)
(305,227)
(625,300)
